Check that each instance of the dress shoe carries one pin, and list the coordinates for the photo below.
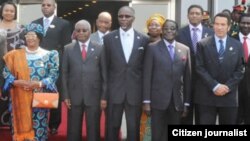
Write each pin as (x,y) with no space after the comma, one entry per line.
(53,131)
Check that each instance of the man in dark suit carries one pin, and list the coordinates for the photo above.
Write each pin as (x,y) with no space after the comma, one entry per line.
(124,50)
(244,88)
(185,35)
(83,83)
(219,67)
(103,24)
(166,81)
(57,34)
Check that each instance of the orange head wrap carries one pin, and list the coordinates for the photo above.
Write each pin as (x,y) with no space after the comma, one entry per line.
(161,19)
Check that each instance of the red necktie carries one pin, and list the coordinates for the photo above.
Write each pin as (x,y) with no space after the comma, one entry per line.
(84,53)
(245,47)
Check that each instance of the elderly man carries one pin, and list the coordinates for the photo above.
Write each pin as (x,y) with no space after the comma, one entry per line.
(83,83)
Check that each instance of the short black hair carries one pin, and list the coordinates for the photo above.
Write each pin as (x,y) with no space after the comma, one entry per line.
(195,6)
(225,15)
(168,20)
(8,3)
(244,15)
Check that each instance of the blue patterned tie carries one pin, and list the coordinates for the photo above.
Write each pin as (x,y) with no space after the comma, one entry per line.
(195,39)
(45,24)
(171,51)
(221,51)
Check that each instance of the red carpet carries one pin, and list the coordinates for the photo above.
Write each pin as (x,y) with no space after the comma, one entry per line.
(61,136)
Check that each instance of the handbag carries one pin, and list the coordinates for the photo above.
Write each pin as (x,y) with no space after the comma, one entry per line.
(45,100)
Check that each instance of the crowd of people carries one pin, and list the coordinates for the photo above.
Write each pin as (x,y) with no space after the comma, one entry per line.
(194,75)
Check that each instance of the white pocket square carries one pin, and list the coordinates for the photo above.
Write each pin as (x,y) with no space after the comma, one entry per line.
(141,48)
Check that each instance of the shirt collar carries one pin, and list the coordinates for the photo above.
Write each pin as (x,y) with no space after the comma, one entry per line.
(199,27)
(86,43)
(50,18)
(223,39)
(241,36)
(167,43)
(130,31)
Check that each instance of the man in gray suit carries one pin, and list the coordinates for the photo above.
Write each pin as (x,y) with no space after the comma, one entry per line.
(166,81)
(124,51)
(83,76)
(219,67)
(103,24)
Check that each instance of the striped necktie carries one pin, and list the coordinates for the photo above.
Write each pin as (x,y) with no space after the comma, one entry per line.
(221,51)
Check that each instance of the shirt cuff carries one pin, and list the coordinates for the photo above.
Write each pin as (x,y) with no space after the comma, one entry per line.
(146,101)
(215,88)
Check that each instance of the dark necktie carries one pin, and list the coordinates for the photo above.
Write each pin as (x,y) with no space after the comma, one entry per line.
(221,51)
(195,39)
(84,53)
(245,47)
(171,51)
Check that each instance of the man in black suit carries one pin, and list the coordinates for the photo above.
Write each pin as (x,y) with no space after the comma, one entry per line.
(83,83)
(244,88)
(219,67)
(166,81)
(57,34)
(124,51)
(185,35)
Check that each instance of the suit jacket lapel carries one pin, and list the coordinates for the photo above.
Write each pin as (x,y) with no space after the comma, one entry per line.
(135,46)
(90,51)
(117,41)
(213,50)
(164,50)
(189,39)
(77,51)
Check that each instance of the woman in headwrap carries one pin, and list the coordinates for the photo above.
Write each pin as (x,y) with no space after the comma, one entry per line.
(27,70)
(154,26)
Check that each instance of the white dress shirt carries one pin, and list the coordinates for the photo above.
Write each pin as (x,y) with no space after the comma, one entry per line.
(127,40)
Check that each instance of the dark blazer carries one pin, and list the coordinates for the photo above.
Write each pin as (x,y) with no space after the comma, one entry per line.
(57,35)
(124,79)
(184,37)
(211,72)
(164,78)
(83,81)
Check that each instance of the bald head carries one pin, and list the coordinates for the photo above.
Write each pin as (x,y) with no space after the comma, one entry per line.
(104,22)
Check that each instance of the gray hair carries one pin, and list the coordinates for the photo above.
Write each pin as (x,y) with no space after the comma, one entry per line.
(85,23)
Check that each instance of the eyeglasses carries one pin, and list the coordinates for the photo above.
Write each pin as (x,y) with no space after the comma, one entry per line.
(30,36)
(124,16)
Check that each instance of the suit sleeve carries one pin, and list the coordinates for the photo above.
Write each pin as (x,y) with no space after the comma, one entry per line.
(103,75)
(187,79)
(147,73)
(200,67)
(238,74)
(65,73)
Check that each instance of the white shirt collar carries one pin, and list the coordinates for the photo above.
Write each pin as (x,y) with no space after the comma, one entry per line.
(50,18)
(129,32)
(241,36)
(86,43)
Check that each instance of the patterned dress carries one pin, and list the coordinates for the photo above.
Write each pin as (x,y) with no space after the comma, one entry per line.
(15,38)
(43,66)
